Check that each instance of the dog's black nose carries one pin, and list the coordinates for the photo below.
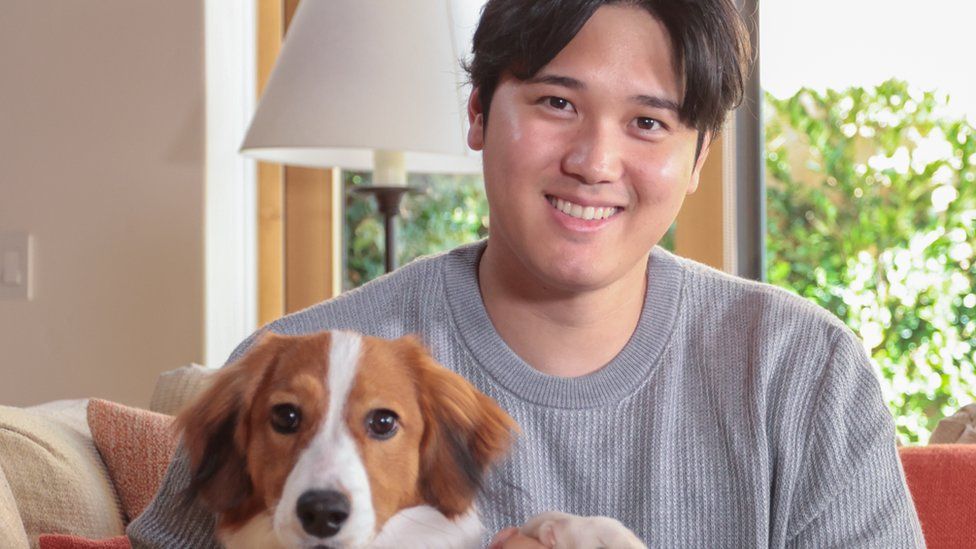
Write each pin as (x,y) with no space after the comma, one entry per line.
(322,512)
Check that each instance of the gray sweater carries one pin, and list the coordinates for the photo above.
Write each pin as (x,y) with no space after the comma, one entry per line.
(738,415)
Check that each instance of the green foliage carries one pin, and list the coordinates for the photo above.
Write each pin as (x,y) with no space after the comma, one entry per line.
(871,197)
(452,211)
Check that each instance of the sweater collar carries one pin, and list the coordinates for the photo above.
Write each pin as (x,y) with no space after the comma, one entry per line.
(635,363)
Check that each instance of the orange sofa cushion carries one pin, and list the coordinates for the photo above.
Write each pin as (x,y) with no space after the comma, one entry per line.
(136,446)
(942,480)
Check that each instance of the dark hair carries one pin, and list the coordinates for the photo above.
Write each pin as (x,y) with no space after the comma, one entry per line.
(710,42)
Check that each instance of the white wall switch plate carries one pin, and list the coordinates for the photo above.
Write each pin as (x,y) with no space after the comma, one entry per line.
(15,266)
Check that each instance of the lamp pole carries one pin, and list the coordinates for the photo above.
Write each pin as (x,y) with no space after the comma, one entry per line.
(388,198)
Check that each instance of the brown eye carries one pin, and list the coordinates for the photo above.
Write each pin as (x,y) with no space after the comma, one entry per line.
(558,103)
(382,424)
(286,418)
(646,123)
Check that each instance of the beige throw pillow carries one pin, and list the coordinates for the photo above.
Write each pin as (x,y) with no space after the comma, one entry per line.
(175,388)
(55,473)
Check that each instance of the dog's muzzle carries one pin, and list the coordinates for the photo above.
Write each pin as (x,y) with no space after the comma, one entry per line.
(322,512)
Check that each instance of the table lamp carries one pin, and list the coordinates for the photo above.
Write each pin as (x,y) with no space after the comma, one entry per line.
(370,85)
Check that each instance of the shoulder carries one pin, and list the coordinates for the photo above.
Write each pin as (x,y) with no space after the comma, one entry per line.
(797,348)
(385,299)
(390,306)
(782,341)
(712,295)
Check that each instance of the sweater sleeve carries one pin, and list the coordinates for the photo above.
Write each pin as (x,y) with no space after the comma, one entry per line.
(170,521)
(851,490)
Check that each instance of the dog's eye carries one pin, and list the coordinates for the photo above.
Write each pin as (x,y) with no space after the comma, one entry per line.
(285,418)
(382,424)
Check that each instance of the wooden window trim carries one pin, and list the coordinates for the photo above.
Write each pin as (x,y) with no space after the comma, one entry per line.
(299,209)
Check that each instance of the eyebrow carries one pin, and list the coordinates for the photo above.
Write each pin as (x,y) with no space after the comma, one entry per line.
(651,101)
(656,102)
(564,81)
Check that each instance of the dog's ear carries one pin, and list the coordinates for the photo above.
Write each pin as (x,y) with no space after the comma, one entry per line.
(215,430)
(466,433)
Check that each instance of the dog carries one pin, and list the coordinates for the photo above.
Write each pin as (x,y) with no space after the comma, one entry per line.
(336,440)
(564,531)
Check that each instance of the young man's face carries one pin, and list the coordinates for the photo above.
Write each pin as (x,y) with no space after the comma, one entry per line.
(597,127)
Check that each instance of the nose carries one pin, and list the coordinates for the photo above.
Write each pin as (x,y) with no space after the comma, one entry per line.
(322,512)
(594,155)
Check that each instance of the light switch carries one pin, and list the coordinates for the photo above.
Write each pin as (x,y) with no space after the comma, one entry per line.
(15,263)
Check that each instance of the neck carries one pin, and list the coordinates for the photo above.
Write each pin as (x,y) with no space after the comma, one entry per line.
(564,332)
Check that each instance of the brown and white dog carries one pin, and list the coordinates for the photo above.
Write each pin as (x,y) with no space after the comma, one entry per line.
(337,440)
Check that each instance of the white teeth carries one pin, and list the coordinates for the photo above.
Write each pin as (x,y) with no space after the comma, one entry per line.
(565,207)
(582,212)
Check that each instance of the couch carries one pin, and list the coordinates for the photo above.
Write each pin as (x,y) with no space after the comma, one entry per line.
(86,467)
(78,467)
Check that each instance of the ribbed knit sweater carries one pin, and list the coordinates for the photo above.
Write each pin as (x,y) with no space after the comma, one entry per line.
(738,415)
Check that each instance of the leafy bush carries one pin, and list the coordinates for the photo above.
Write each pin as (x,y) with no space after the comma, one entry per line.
(871,197)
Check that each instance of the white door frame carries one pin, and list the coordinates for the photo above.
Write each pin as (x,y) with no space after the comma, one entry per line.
(230,199)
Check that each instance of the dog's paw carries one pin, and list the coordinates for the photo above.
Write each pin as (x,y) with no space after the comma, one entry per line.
(564,531)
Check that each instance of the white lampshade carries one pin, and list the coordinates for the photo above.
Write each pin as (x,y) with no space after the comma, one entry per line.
(357,77)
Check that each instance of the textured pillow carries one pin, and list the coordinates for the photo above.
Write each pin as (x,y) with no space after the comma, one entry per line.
(61,541)
(136,445)
(11,527)
(176,387)
(55,474)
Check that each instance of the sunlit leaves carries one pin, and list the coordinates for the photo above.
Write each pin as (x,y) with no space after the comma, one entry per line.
(872,214)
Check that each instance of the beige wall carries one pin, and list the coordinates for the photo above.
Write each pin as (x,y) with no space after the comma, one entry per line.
(101,160)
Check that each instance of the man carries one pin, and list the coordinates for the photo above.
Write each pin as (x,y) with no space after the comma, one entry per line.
(699,409)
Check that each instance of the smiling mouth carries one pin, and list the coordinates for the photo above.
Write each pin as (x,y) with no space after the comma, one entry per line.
(586,213)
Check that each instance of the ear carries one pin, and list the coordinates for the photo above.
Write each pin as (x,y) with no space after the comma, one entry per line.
(466,432)
(215,431)
(700,163)
(476,121)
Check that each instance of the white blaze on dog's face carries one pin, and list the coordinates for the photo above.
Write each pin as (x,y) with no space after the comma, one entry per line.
(327,436)
(330,466)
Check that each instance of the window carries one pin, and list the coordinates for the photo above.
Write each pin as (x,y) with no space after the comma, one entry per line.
(870,159)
